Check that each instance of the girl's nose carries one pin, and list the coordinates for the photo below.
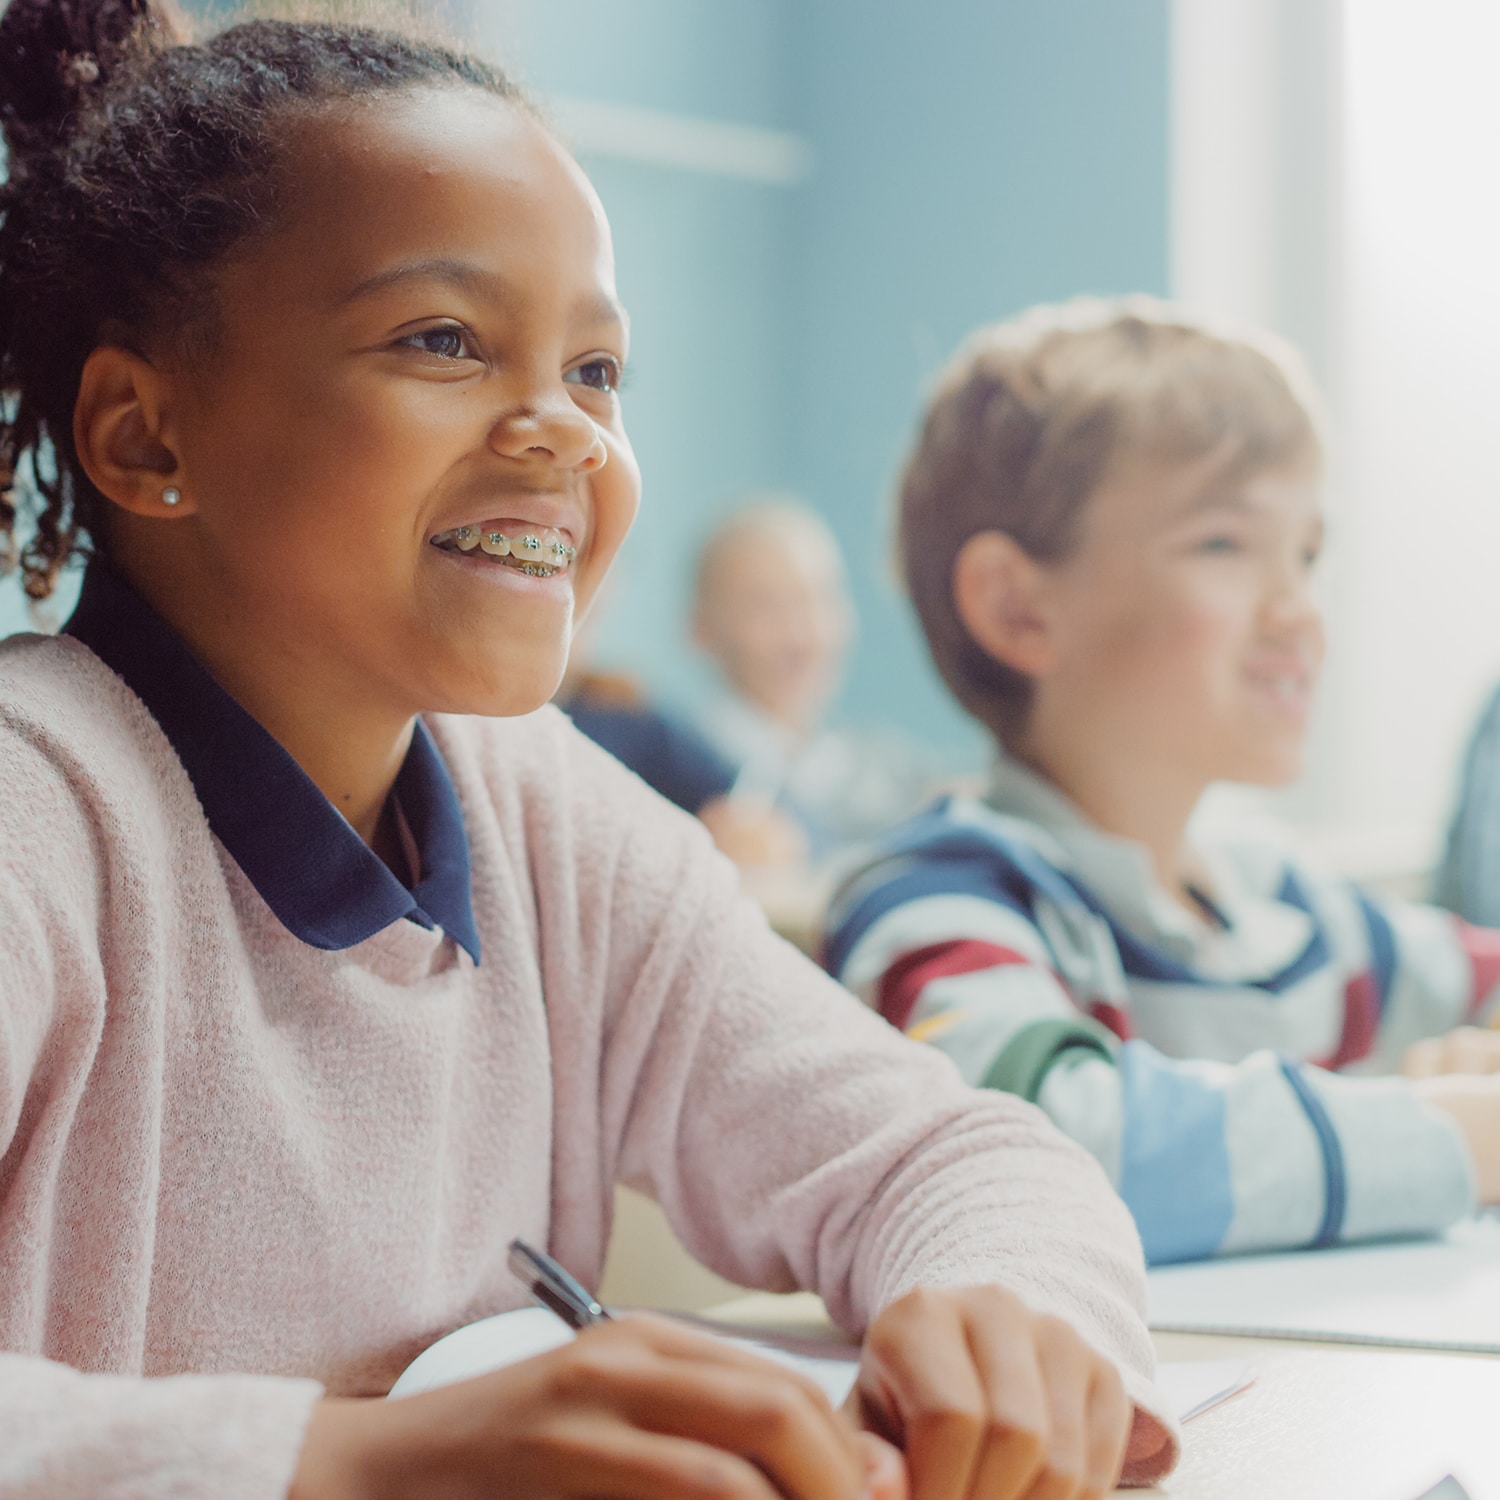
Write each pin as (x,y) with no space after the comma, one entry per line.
(551,431)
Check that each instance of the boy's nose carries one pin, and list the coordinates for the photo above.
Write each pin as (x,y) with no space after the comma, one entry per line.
(551,431)
(1290,602)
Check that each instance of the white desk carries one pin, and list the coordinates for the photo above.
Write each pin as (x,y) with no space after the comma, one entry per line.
(1321,1422)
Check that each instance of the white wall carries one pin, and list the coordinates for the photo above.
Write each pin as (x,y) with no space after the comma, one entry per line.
(1332,175)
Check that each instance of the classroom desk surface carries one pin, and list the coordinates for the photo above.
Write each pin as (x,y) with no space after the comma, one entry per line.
(1321,1422)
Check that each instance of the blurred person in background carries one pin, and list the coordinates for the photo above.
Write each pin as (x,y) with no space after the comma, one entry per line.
(672,758)
(1468,879)
(772,611)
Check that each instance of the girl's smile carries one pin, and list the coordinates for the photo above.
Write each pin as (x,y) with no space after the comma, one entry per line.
(430,345)
(402,461)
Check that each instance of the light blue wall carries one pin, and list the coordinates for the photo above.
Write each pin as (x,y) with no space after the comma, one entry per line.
(972,156)
(975,156)
(705,268)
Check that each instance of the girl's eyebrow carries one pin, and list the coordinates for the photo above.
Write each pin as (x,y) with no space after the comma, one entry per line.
(597,307)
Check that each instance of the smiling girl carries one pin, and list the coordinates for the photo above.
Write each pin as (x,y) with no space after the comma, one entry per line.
(1110,526)
(330,958)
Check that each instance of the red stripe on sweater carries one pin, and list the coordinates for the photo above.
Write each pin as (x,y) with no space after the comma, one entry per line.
(1482,944)
(1361,1022)
(902,984)
(1112,1016)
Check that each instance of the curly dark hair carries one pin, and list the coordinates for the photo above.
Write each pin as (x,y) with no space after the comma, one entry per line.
(136,160)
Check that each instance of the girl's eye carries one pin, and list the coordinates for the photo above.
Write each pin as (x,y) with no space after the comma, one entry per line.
(602,373)
(446,342)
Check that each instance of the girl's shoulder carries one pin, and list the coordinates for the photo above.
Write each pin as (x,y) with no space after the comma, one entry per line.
(59,702)
(76,746)
(538,783)
(541,760)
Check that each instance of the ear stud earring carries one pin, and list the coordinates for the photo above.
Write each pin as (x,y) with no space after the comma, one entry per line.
(170,495)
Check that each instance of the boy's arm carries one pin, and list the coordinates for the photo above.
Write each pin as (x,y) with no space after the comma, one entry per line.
(1425,972)
(1210,1158)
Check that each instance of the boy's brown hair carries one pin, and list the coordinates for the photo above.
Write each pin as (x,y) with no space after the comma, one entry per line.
(1033,415)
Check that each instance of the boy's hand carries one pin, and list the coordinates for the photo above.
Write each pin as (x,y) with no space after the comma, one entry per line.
(1474,1105)
(988,1398)
(638,1409)
(1470,1049)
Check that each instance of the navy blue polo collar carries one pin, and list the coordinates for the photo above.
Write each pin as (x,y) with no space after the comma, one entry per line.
(323,882)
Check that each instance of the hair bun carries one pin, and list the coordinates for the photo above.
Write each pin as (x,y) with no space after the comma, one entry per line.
(54,53)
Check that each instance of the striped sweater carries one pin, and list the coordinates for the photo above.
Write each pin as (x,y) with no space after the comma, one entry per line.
(1205,1061)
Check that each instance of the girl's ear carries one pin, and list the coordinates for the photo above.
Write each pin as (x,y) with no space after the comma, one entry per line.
(122,433)
(1000,592)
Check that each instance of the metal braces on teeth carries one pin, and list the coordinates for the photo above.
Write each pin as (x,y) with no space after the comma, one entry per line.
(561,553)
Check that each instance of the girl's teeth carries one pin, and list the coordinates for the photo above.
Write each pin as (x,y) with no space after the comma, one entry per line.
(540,548)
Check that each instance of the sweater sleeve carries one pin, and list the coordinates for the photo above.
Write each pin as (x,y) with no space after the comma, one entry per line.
(65,1435)
(794,1140)
(1211,1158)
(69,1436)
(1424,971)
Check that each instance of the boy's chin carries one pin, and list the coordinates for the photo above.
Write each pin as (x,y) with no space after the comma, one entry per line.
(1272,772)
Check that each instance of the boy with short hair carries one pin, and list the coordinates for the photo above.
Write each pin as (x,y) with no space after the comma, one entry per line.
(1108,528)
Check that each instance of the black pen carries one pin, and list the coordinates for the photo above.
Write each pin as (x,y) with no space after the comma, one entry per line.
(554,1288)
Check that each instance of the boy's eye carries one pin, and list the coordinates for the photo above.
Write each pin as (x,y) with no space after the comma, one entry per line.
(602,373)
(1219,544)
(446,342)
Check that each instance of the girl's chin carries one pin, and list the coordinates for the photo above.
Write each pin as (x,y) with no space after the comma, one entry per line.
(495,695)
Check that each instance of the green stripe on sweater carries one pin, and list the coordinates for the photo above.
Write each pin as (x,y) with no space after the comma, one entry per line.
(1033,1052)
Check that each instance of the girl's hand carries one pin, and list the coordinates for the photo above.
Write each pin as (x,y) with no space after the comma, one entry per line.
(636,1408)
(1470,1049)
(988,1398)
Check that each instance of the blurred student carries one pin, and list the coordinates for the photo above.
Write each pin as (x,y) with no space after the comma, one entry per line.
(672,758)
(772,610)
(1468,880)
(1109,527)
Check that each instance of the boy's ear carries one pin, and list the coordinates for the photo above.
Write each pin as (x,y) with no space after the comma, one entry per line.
(122,431)
(999,591)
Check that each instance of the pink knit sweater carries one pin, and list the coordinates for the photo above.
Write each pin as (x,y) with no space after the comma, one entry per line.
(249,1170)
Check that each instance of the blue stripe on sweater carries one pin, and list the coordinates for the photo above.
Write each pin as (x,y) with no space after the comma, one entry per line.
(934,854)
(971,873)
(1174,1157)
(1337,1186)
(1382,938)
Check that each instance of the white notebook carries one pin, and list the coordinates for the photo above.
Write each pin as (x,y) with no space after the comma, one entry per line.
(1191,1387)
(1425,1294)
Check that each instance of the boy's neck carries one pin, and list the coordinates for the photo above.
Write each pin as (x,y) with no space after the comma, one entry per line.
(1150,808)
